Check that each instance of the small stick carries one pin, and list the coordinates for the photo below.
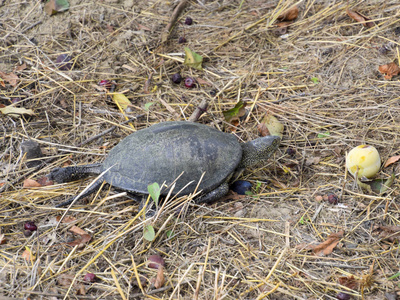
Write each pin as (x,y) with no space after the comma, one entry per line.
(177,11)
(201,109)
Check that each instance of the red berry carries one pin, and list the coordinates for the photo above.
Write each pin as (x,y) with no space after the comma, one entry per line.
(189,82)
(29,225)
(90,277)
(188,21)
(176,78)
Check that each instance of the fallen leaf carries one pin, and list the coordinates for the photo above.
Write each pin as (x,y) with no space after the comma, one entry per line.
(349,282)
(55,6)
(203,82)
(44,181)
(390,233)
(159,278)
(80,241)
(28,255)
(326,248)
(391,160)
(16,112)
(360,18)
(77,230)
(65,280)
(390,70)
(121,100)
(29,183)
(289,14)
(192,59)
(20,67)
(233,114)
(66,219)
(11,78)
(270,126)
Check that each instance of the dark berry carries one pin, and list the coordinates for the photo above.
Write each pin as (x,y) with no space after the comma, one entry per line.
(189,82)
(290,151)
(213,93)
(90,277)
(241,187)
(30,226)
(182,40)
(176,78)
(333,199)
(188,21)
(343,296)
(64,62)
(28,233)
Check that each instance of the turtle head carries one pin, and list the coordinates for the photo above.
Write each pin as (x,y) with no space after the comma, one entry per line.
(258,150)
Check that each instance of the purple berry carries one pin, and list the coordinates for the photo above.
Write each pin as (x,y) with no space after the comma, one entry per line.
(64,62)
(176,78)
(30,226)
(189,82)
(90,277)
(188,21)
(343,296)
(182,40)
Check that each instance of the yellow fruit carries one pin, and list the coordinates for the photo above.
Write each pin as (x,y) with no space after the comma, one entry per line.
(363,160)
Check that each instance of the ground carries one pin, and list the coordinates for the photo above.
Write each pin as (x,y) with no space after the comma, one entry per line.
(319,77)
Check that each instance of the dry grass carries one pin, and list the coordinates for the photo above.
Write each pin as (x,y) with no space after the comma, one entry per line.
(250,248)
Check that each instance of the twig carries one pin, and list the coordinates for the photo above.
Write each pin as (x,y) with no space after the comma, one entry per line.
(201,109)
(177,11)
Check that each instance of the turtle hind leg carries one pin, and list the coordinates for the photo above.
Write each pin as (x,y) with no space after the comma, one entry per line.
(72,173)
(214,195)
(94,187)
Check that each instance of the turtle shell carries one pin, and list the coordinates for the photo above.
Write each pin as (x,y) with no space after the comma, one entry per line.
(163,152)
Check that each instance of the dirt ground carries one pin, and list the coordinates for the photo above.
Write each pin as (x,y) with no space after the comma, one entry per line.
(318,75)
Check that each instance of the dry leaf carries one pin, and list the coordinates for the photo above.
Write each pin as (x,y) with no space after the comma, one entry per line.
(391,160)
(21,67)
(65,280)
(160,278)
(202,81)
(390,233)
(29,183)
(44,181)
(80,241)
(326,247)
(28,255)
(349,282)
(16,111)
(11,78)
(67,219)
(360,18)
(270,126)
(121,100)
(290,14)
(390,70)
(77,230)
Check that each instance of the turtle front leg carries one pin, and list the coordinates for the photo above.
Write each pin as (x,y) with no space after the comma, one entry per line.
(62,175)
(214,195)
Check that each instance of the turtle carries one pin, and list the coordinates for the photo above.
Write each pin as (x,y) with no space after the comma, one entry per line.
(179,152)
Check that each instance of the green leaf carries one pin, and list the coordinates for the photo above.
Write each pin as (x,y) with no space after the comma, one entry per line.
(248,193)
(147,105)
(301,221)
(169,233)
(323,135)
(236,112)
(154,191)
(394,276)
(380,186)
(149,233)
(192,59)
(315,80)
